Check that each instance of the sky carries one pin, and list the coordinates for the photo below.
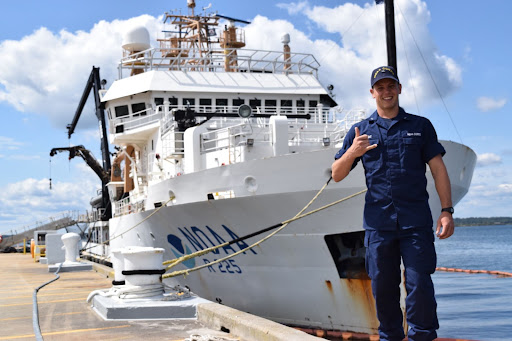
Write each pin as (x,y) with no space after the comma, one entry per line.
(453,63)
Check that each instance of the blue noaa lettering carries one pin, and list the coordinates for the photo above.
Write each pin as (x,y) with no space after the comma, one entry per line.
(200,239)
(180,250)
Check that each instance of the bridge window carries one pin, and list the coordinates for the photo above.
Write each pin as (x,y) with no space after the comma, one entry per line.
(122,110)
(173,101)
(300,106)
(286,106)
(189,102)
(254,103)
(270,105)
(205,104)
(221,104)
(138,109)
(238,102)
(312,106)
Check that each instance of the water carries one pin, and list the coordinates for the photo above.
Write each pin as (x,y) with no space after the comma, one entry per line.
(475,306)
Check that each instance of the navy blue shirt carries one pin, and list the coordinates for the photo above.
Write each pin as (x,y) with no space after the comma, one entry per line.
(395,171)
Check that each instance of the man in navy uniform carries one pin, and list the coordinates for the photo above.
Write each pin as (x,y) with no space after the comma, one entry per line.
(395,147)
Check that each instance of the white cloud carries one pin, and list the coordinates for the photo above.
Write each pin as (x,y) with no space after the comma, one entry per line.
(487,159)
(485,104)
(348,65)
(25,202)
(505,188)
(8,143)
(293,7)
(45,72)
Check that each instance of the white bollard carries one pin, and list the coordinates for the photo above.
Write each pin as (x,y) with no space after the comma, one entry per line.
(142,259)
(117,259)
(70,241)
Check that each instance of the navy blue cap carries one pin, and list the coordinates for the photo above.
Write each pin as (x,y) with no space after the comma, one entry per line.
(383,72)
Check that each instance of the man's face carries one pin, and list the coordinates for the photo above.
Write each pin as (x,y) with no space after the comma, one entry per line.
(386,93)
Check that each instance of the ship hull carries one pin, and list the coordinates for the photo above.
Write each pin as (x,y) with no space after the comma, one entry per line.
(297,276)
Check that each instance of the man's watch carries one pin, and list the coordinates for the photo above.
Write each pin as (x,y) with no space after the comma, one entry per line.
(448,209)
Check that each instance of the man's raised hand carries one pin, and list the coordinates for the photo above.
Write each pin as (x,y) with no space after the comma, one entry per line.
(361,144)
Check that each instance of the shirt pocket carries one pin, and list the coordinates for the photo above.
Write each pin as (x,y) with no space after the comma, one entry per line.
(411,151)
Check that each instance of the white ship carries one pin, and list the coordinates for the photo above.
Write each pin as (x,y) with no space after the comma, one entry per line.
(217,142)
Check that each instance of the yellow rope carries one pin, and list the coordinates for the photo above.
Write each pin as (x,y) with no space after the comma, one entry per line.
(285,223)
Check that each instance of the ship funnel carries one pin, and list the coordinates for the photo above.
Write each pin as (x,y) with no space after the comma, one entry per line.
(134,41)
(285,39)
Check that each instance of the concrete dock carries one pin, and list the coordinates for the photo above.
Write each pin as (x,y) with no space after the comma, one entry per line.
(65,315)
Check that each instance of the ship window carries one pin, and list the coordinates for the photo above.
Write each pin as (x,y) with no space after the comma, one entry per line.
(189,102)
(300,106)
(238,102)
(221,103)
(205,105)
(138,109)
(286,106)
(159,101)
(312,106)
(270,105)
(254,103)
(173,101)
(122,110)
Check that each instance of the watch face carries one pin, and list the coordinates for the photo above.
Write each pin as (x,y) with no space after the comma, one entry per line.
(448,209)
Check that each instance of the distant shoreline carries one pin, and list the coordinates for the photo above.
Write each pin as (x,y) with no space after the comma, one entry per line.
(483,221)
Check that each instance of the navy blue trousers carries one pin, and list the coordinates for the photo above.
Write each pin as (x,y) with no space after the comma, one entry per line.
(384,250)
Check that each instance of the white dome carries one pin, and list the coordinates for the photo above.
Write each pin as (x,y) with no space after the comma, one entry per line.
(137,39)
(285,39)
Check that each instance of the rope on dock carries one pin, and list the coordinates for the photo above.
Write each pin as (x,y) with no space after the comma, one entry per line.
(471,271)
(282,225)
(35,310)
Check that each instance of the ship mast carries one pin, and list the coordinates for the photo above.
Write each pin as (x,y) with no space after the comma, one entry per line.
(390,33)
(192,40)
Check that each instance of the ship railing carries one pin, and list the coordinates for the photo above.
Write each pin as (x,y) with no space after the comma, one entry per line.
(128,205)
(92,216)
(173,145)
(213,60)
(225,138)
(135,120)
(343,125)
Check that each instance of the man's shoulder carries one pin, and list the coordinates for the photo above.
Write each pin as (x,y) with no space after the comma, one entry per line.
(416,118)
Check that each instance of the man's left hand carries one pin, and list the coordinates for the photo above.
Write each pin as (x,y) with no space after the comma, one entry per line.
(445,225)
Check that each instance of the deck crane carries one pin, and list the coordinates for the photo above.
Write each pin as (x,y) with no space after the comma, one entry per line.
(94,84)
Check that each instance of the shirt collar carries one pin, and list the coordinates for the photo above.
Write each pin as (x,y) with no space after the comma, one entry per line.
(402,115)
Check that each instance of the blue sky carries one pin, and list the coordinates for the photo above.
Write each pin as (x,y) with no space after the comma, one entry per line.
(47,50)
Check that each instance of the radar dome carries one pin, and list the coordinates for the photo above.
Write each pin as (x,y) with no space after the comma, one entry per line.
(285,39)
(137,39)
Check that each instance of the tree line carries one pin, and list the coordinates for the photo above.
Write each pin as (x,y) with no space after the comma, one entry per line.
(474,221)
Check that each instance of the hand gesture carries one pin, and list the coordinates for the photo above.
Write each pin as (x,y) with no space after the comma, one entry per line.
(361,144)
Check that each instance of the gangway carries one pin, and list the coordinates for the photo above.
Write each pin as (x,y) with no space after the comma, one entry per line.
(63,220)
